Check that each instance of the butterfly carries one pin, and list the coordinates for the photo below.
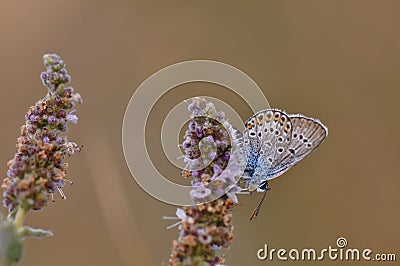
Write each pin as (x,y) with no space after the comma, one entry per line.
(275,141)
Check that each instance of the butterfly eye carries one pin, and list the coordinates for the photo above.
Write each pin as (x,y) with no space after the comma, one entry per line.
(280,139)
(280,150)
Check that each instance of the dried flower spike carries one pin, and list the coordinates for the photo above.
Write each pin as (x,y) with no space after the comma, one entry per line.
(38,168)
(206,228)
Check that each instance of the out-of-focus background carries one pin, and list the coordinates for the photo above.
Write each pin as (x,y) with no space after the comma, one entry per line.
(335,60)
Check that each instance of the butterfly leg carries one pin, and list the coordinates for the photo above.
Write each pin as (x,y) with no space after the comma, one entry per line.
(246,177)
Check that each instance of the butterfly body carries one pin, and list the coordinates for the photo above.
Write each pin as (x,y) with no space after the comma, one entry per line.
(275,141)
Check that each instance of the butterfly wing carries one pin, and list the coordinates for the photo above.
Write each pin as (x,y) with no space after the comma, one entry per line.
(274,142)
(267,136)
(307,135)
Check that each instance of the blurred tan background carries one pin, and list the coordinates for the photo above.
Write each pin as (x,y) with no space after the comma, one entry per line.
(335,60)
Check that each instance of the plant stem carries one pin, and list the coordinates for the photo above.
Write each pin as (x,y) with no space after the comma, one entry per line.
(19,218)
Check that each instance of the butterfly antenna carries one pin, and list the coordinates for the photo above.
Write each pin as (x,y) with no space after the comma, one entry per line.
(61,193)
(257,209)
(69,181)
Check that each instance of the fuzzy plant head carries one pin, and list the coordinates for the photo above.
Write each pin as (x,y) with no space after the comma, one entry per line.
(38,168)
(211,139)
(206,228)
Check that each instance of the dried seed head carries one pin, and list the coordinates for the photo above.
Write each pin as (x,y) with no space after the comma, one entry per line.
(38,168)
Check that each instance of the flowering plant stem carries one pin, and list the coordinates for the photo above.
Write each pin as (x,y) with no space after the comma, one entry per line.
(38,168)
(206,227)
(19,218)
